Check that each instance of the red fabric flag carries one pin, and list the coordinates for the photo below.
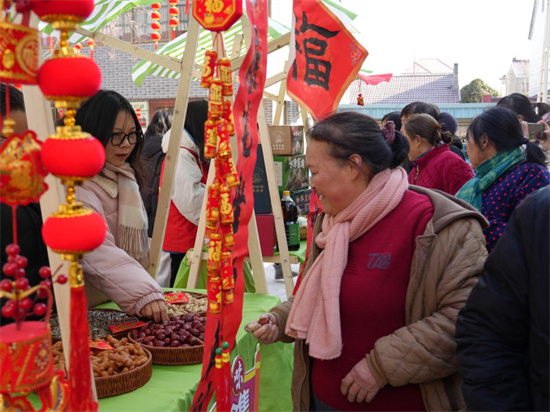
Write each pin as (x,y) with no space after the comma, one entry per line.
(327,59)
(223,327)
(375,79)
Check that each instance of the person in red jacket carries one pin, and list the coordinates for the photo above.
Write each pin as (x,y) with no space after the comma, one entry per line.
(433,164)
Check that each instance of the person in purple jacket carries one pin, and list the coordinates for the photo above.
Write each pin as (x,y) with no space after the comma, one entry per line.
(507,168)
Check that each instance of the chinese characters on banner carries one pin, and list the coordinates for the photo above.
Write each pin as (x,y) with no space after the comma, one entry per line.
(245,385)
(327,58)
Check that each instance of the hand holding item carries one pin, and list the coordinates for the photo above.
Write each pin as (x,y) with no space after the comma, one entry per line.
(359,385)
(265,329)
(155,310)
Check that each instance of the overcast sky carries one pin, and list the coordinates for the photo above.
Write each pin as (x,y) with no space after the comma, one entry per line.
(482,36)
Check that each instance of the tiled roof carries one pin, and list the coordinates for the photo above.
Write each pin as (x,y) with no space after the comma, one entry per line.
(403,89)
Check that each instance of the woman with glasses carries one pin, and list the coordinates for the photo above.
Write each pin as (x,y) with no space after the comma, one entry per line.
(373,317)
(117,269)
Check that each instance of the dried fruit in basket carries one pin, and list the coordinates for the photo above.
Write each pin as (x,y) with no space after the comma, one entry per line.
(180,331)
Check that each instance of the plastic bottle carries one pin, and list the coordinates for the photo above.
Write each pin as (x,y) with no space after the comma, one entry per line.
(290,218)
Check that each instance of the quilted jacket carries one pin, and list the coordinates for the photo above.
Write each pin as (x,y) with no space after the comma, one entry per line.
(440,169)
(446,263)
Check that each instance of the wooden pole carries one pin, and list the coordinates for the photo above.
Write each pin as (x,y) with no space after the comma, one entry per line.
(180,109)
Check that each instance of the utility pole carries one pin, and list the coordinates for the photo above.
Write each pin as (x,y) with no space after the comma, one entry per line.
(542,94)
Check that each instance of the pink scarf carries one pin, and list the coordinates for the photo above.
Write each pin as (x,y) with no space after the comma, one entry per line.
(315,314)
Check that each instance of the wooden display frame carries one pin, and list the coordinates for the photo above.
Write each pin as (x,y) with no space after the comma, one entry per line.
(40,120)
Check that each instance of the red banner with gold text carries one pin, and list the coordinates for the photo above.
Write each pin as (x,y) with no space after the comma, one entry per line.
(223,327)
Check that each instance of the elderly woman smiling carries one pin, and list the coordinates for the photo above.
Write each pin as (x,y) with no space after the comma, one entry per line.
(391,265)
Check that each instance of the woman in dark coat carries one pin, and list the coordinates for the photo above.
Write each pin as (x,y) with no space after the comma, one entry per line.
(502,332)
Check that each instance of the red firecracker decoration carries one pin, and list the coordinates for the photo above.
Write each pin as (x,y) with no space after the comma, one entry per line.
(174,12)
(360,100)
(155,25)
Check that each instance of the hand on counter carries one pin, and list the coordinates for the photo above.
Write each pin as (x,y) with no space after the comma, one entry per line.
(265,329)
(155,310)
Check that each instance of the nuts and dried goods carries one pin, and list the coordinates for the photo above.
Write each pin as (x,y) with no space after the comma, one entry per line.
(125,357)
(195,305)
(99,320)
(180,331)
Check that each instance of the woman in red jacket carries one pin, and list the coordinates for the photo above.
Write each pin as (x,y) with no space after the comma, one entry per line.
(433,165)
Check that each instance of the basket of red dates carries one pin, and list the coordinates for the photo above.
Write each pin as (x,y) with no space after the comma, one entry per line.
(180,341)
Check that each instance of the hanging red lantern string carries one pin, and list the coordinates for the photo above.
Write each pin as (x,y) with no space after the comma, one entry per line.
(91,44)
(174,12)
(155,25)
(69,78)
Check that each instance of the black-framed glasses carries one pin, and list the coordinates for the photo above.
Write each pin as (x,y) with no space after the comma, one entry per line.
(118,138)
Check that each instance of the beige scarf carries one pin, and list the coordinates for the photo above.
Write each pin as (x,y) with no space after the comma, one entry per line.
(132,218)
(315,314)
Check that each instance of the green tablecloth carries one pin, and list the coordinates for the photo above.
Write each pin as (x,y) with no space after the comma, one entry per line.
(183,272)
(171,388)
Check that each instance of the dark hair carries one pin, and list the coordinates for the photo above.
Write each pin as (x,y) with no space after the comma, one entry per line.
(395,117)
(350,133)
(541,109)
(428,128)
(503,128)
(448,123)
(520,105)
(97,116)
(160,123)
(197,114)
(421,107)
(16,99)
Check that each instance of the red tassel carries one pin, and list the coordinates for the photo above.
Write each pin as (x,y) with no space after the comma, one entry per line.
(50,43)
(226,376)
(92,54)
(80,375)
(220,407)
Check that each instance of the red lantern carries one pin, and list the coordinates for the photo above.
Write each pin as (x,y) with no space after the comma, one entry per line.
(78,47)
(74,231)
(71,78)
(174,12)
(62,155)
(155,26)
(59,10)
(217,15)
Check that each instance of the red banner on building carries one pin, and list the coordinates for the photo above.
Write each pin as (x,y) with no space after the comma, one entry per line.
(327,60)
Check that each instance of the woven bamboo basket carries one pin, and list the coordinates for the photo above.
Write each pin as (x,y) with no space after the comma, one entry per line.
(99,320)
(174,356)
(195,295)
(127,381)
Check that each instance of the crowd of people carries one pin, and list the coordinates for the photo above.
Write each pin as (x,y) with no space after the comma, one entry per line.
(426,286)
(389,314)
